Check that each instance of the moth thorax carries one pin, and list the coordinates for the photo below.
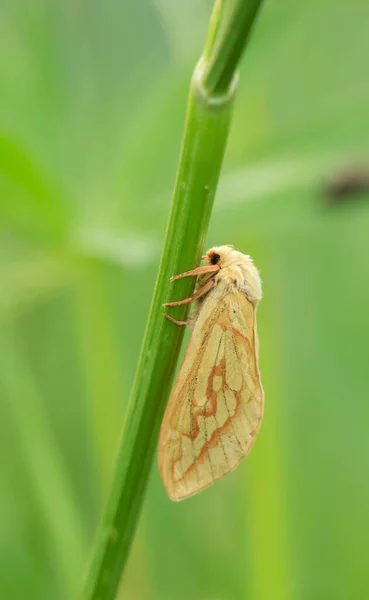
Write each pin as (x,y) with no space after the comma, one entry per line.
(252,285)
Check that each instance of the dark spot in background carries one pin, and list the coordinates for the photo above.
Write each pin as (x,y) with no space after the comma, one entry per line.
(346,186)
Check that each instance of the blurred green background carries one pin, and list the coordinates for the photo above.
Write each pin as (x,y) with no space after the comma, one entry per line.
(92,104)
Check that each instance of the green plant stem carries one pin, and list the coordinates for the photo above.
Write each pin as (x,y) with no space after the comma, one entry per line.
(205,136)
(216,20)
(228,48)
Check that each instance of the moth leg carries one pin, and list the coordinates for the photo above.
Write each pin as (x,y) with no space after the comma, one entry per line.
(205,288)
(197,271)
(190,323)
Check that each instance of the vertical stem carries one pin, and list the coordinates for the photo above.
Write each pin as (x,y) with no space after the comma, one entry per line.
(201,158)
(229,46)
(206,130)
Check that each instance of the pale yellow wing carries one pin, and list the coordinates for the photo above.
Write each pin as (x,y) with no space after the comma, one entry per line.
(217,401)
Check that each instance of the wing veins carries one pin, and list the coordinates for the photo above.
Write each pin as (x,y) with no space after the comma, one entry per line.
(228,411)
(247,386)
(215,414)
(213,318)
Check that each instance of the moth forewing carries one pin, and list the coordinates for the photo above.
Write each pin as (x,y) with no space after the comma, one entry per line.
(216,405)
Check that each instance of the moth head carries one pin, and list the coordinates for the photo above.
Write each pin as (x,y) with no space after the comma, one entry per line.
(219,255)
(238,266)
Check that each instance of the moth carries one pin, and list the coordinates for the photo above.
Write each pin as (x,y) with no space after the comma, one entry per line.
(217,402)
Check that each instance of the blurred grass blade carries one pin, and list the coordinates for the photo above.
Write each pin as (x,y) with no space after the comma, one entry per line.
(103,375)
(41,206)
(205,136)
(43,463)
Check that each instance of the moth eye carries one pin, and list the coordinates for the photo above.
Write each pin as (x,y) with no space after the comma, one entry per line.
(215,259)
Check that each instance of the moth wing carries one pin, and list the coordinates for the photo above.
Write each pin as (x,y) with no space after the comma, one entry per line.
(216,405)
